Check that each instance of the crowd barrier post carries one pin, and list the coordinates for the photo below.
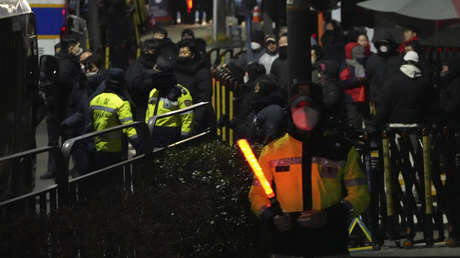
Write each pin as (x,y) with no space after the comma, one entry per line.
(428,234)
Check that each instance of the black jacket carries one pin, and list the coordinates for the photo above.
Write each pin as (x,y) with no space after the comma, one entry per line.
(378,70)
(71,94)
(139,83)
(334,45)
(195,76)
(403,100)
(95,80)
(280,68)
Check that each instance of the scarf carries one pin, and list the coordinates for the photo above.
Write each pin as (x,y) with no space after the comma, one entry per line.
(359,68)
(411,71)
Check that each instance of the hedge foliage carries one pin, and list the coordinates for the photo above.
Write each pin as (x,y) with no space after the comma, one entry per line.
(192,203)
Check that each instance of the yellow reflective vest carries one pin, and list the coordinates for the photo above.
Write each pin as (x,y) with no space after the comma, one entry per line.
(281,162)
(184,120)
(109,110)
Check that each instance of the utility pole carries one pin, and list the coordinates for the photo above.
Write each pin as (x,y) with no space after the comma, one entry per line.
(299,31)
(218,20)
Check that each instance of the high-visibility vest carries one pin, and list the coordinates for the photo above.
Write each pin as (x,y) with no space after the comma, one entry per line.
(183,120)
(108,110)
(281,162)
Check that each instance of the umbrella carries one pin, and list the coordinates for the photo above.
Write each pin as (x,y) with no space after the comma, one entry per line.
(422,9)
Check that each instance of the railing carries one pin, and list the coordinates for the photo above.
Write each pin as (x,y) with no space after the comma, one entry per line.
(224,94)
(69,191)
(39,202)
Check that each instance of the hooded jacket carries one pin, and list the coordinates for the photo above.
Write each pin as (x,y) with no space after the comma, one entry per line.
(280,69)
(352,82)
(403,100)
(194,75)
(378,70)
(333,45)
(139,84)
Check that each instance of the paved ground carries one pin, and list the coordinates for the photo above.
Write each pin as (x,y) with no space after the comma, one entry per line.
(415,252)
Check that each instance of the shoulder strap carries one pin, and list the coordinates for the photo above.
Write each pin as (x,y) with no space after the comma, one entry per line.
(156,106)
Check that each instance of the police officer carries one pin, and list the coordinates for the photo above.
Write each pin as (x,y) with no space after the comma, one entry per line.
(310,166)
(168,96)
(111,108)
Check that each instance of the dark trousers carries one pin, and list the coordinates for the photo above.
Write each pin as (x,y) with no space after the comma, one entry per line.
(107,181)
(329,240)
(52,126)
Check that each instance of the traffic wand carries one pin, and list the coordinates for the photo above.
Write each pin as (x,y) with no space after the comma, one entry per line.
(248,154)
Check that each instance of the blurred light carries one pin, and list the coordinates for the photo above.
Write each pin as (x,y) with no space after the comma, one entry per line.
(189,5)
(255,166)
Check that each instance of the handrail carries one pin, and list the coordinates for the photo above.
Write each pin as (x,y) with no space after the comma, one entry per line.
(24,196)
(27,153)
(136,158)
(68,145)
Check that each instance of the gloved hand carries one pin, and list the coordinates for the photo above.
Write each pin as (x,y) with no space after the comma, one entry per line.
(282,222)
(184,135)
(312,219)
(138,145)
(174,94)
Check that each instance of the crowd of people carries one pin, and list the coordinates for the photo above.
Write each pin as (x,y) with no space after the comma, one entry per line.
(351,88)
(362,89)
(86,97)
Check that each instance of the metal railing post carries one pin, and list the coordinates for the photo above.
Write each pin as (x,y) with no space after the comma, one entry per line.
(428,234)
(388,184)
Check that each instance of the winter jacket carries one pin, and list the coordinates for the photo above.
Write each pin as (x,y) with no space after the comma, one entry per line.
(139,84)
(333,45)
(72,97)
(378,70)
(94,80)
(353,85)
(267,61)
(280,69)
(108,109)
(337,186)
(402,100)
(195,76)
(160,104)
(248,58)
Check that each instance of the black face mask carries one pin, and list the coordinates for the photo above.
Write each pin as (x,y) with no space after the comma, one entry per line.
(283,52)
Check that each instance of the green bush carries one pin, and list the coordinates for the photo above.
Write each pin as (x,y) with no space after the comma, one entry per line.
(192,203)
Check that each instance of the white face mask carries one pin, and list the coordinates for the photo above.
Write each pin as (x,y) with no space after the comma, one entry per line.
(246,78)
(255,45)
(383,49)
(80,51)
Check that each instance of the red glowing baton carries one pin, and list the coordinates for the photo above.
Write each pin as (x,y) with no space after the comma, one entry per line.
(255,166)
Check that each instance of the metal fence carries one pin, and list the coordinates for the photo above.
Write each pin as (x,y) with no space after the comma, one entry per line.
(70,191)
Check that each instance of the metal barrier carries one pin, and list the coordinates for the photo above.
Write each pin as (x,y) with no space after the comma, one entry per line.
(224,92)
(409,180)
(39,202)
(69,191)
